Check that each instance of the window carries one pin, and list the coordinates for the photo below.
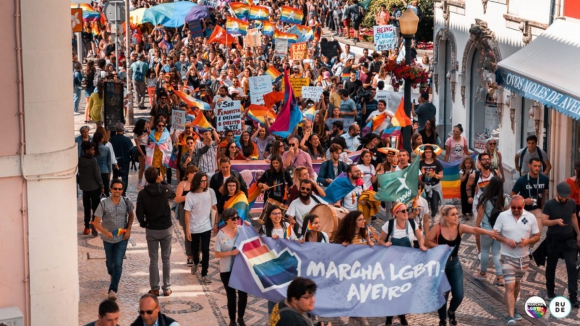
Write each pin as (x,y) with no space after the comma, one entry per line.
(484,122)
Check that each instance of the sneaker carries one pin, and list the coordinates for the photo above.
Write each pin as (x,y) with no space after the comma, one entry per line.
(193,269)
(480,276)
(112,295)
(511,322)
(87,231)
(94,232)
(77,113)
(189,262)
(517,315)
(205,279)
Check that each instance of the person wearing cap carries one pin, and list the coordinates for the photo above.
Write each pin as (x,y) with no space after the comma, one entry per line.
(139,69)
(562,240)
(121,146)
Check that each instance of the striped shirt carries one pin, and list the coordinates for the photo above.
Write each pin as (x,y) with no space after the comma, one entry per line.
(208,161)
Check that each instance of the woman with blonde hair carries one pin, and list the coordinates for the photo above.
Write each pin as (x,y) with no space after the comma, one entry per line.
(449,232)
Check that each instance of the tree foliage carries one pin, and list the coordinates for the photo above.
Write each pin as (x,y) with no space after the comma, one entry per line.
(425,30)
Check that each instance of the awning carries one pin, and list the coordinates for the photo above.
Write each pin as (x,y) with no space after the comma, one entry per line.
(548,69)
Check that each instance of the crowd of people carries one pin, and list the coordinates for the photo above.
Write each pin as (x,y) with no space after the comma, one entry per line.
(164,60)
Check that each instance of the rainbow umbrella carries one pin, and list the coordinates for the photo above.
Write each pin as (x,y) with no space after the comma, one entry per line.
(170,14)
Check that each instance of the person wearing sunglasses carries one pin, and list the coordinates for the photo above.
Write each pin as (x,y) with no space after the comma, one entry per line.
(302,205)
(112,214)
(150,313)
(226,251)
(163,107)
(518,230)
(495,156)
(159,148)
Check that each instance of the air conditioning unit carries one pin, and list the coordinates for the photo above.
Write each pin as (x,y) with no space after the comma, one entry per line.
(11,316)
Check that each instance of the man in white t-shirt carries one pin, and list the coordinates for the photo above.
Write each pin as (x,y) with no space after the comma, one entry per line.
(518,230)
(381,108)
(235,88)
(350,201)
(302,205)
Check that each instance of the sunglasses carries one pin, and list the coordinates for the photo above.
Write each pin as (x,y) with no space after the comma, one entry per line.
(235,218)
(491,143)
(518,207)
(149,312)
(117,189)
(160,126)
(305,189)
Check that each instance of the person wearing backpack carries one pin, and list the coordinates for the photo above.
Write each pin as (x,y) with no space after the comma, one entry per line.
(532,150)
(113,214)
(139,69)
(491,203)
(401,231)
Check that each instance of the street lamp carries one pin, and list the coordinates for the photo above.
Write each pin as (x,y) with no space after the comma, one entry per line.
(409,23)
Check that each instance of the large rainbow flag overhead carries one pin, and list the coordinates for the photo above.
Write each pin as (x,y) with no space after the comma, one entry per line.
(259,13)
(240,203)
(289,36)
(399,121)
(192,101)
(241,10)
(291,15)
(451,183)
(236,26)
(289,116)
(257,113)
(268,28)
(198,121)
(274,73)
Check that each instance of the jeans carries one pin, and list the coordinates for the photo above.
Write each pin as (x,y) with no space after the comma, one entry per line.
(115,252)
(454,273)
(555,248)
(154,239)
(91,200)
(187,243)
(76,98)
(486,244)
(231,295)
(203,238)
(434,202)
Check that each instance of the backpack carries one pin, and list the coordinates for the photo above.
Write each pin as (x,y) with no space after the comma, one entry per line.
(391,227)
(126,205)
(138,75)
(492,218)
(540,156)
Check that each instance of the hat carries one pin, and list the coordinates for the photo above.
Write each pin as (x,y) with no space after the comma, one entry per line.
(388,150)
(326,74)
(119,127)
(563,189)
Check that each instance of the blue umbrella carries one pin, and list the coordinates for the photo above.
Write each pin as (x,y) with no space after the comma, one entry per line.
(197,13)
(168,14)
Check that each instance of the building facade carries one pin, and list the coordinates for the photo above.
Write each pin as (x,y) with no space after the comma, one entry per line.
(474,77)
(38,159)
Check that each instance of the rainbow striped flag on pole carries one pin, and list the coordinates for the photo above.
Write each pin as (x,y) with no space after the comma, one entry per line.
(259,13)
(236,26)
(291,15)
(241,10)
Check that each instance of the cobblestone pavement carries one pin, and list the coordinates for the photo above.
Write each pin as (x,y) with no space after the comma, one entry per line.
(193,303)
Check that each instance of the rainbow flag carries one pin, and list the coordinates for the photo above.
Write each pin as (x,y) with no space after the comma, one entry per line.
(259,13)
(451,184)
(274,73)
(241,10)
(291,15)
(118,232)
(399,121)
(249,2)
(309,227)
(317,33)
(240,203)
(257,113)
(91,16)
(375,123)
(83,6)
(273,98)
(307,33)
(279,34)
(345,76)
(192,101)
(401,116)
(268,28)
(236,26)
(271,270)
(199,122)
(288,232)
(253,193)
(289,116)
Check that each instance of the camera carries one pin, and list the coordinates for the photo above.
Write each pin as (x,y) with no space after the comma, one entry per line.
(534,202)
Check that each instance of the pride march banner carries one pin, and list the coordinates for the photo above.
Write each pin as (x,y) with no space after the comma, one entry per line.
(352,281)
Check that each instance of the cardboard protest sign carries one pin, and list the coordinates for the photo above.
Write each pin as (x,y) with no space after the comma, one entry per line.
(384,37)
(260,85)
(281,47)
(298,51)
(297,84)
(312,92)
(178,119)
(253,38)
(229,116)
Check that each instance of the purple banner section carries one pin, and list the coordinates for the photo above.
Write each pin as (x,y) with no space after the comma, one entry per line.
(356,280)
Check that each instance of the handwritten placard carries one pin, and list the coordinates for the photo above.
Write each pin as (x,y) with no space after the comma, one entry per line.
(312,92)
(178,119)
(259,86)
(384,37)
(229,116)
(297,84)
(298,51)
(281,47)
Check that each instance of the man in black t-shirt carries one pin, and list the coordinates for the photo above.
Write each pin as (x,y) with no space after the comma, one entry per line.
(294,311)
(353,84)
(562,240)
(533,186)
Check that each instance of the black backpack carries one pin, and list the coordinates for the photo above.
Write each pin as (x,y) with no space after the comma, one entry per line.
(540,156)
(391,227)
(492,218)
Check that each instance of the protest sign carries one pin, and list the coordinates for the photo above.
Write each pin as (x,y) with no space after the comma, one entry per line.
(297,84)
(178,119)
(351,281)
(312,92)
(253,38)
(195,28)
(229,116)
(260,85)
(281,47)
(298,51)
(384,37)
